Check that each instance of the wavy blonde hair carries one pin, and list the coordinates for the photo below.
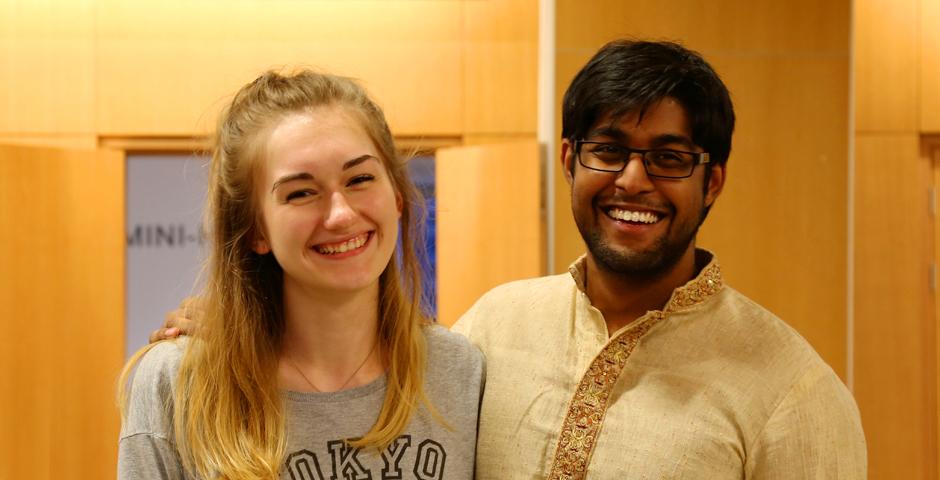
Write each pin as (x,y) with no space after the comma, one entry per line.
(230,420)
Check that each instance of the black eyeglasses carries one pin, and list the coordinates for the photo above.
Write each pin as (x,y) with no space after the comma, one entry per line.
(660,163)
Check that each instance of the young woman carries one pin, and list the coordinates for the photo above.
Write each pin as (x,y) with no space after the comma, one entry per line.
(313,359)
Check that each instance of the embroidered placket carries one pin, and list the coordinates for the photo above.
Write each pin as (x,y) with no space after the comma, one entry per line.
(588,407)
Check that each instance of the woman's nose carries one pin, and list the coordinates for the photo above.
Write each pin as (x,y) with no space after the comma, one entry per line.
(340,214)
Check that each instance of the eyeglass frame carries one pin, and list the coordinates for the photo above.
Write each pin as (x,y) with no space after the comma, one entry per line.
(699,158)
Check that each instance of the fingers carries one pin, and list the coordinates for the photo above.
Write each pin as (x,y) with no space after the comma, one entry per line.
(181,321)
(172,324)
(164,334)
(186,317)
(190,307)
(176,323)
(171,319)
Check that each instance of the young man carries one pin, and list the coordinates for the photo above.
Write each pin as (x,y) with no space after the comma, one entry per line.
(641,363)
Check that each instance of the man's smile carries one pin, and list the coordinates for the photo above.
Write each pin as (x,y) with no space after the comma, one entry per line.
(633,215)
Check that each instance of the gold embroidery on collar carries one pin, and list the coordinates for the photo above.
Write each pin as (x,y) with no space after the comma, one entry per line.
(707,283)
(585,416)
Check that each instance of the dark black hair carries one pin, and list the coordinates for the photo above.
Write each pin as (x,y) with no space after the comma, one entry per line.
(626,76)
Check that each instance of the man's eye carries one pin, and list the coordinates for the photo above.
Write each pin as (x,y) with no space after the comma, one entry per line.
(607,153)
(609,149)
(667,157)
(359,179)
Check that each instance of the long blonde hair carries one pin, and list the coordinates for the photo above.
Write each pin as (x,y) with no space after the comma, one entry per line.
(229,414)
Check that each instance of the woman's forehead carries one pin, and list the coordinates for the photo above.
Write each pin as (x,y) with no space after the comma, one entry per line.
(325,138)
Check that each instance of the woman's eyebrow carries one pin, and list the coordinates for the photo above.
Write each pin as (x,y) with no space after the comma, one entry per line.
(306,176)
(356,161)
(290,178)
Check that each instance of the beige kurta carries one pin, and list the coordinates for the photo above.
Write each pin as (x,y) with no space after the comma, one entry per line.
(711,387)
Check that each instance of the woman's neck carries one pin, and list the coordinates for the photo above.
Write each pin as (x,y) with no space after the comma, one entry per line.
(330,339)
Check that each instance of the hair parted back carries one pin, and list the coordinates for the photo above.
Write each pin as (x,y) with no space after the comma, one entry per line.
(626,76)
(229,414)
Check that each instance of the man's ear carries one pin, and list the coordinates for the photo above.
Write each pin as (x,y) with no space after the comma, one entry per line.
(716,182)
(567,159)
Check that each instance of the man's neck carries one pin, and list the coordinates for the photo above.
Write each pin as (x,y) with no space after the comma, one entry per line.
(623,299)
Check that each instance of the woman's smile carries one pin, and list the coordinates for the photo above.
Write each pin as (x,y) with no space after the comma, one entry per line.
(344,248)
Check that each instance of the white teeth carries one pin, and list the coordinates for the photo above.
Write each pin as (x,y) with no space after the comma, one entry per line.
(631,216)
(351,244)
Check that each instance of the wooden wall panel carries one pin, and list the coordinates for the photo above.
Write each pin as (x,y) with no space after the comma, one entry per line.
(935,309)
(47,60)
(568,243)
(756,27)
(930,66)
(165,68)
(780,229)
(893,329)
(62,308)
(80,142)
(886,65)
(500,67)
(489,223)
(895,325)
(127,69)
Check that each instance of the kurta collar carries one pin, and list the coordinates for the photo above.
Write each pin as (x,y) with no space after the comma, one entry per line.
(707,283)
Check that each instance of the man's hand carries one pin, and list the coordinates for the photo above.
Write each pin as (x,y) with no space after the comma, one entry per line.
(181,321)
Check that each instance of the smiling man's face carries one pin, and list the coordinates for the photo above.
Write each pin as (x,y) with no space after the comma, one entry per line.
(634,224)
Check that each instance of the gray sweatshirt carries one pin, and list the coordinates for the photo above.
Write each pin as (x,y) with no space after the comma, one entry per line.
(317,423)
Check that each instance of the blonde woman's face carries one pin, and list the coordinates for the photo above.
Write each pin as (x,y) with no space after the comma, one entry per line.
(330,213)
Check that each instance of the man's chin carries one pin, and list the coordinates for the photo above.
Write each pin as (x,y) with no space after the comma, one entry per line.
(628,263)
(638,263)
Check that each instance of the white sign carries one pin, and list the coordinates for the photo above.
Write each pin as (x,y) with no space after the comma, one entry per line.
(165,239)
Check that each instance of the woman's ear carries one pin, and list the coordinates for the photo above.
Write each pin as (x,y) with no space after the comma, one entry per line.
(260,246)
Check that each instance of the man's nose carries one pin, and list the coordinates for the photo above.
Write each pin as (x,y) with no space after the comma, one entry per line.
(634,179)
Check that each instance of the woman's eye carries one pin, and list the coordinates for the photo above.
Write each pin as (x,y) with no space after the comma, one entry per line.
(299,194)
(359,179)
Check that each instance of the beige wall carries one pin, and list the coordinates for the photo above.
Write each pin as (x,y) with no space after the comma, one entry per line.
(75,70)
(489,223)
(929,55)
(780,227)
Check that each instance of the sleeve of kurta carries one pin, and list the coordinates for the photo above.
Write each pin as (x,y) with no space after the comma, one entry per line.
(815,432)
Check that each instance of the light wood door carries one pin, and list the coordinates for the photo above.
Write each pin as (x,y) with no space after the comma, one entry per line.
(894,335)
(61,311)
(489,221)
(933,150)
